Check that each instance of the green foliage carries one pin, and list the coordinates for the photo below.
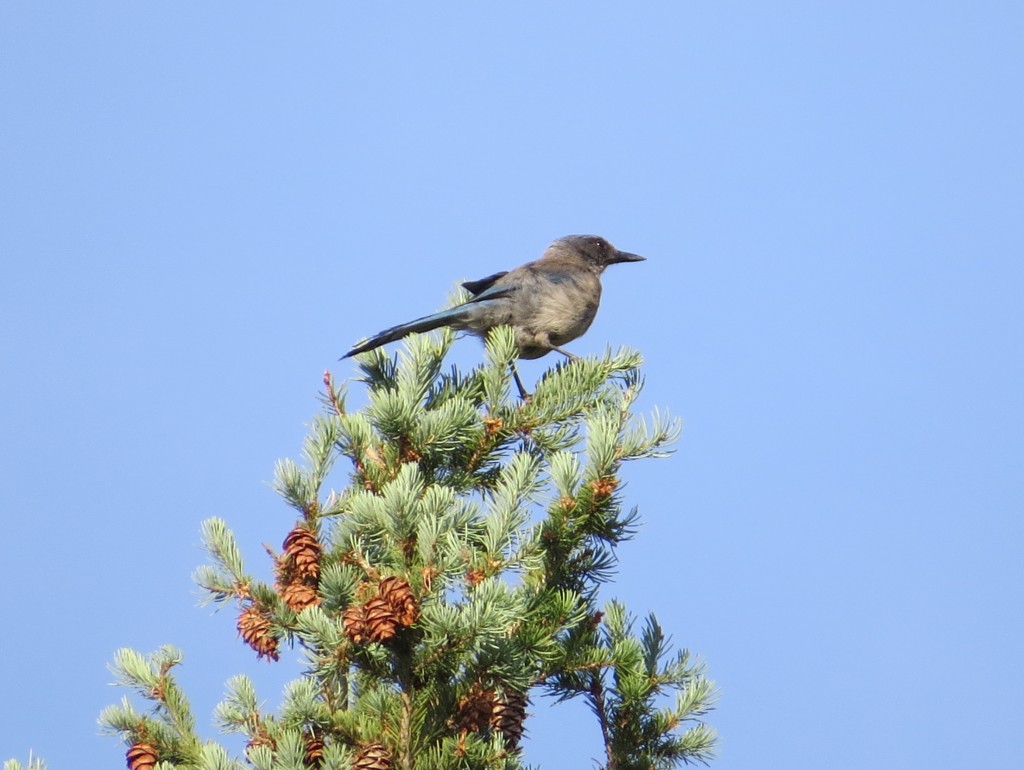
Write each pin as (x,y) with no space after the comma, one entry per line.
(634,675)
(455,567)
(34,763)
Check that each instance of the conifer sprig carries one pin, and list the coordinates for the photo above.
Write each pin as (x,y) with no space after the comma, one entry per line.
(34,763)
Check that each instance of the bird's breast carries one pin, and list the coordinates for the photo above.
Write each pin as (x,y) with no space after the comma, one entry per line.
(566,311)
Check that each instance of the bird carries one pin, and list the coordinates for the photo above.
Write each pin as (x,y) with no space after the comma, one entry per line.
(548,302)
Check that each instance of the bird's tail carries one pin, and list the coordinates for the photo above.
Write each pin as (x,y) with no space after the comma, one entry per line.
(425,324)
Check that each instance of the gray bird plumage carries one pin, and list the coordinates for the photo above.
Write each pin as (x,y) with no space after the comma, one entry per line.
(548,302)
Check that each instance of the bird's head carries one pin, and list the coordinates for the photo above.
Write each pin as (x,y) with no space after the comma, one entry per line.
(596,251)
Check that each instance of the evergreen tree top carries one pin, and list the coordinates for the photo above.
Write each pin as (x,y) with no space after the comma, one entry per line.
(453,571)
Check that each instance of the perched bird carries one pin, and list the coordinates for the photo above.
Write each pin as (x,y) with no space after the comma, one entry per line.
(548,302)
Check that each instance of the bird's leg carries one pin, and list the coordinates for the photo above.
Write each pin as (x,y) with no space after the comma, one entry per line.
(519,384)
(566,353)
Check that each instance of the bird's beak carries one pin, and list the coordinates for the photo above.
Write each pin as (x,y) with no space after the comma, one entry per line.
(625,256)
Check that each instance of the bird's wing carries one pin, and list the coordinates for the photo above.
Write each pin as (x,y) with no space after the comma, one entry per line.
(475,287)
(494,292)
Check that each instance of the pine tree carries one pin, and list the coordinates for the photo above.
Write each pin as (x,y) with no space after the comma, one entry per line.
(454,576)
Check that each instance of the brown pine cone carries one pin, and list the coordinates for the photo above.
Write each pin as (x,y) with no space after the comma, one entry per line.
(303,550)
(314,751)
(353,619)
(381,621)
(508,715)
(141,756)
(375,756)
(254,628)
(397,592)
(474,710)
(298,596)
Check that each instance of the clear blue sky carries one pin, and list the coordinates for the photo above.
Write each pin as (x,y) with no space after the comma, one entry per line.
(204,204)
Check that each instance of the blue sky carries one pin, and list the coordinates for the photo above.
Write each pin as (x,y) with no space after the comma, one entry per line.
(205,204)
